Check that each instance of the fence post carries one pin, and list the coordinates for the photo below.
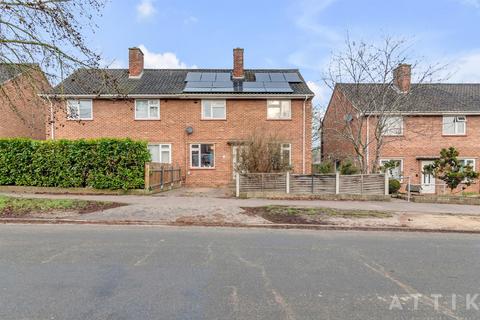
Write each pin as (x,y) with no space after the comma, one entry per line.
(147,176)
(171,176)
(161,177)
(287,181)
(337,182)
(386,184)
(263,181)
(409,189)
(237,184)
(361,183)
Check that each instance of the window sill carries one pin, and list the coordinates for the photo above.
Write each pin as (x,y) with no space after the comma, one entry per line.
(223,119)
(454,135)
(279,119)
(212,168)
(393,135)
(78,120)
(153,119)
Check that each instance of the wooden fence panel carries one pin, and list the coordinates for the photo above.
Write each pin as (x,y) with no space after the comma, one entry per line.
(159,176)
(261,182)
(317,184)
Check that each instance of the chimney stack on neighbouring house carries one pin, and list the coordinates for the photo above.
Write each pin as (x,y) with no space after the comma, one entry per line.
(402,77)
(238,72)
(135,63)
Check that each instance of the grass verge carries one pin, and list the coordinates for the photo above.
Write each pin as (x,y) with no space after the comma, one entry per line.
(300,215)
(17,207)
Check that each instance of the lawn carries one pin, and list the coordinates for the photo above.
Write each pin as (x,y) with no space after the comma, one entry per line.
(286,214)
(17,207)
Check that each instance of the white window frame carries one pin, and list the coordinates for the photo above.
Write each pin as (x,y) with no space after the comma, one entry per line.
(150,103)
(160,145)
(286,146)
(204,102)
(456,119)
(200,155)
(387,131)
(394,159)
(469,159)
(269,102)
(78,117)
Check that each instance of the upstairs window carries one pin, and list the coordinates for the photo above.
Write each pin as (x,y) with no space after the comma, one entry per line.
(202,156)
(147,109)
(279,109)
(454,125)
(214,110)
(79,109)
(393,126)
(161,153)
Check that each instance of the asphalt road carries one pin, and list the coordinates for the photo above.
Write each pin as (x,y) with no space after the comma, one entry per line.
(101,272)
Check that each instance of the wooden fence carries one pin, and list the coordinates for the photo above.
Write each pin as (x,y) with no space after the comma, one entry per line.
(159,176)
(368,184)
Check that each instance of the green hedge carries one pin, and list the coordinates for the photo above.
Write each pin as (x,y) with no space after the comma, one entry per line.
(101,163)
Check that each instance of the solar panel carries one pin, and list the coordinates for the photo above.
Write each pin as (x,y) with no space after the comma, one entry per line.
(222,84)
(193,76)
(277,77)
(208,76)
(292,77)
(223,76)
(230,89)
(193,89)
(199,84)
(254,89)
(265,77)
(278,87)
(253,85)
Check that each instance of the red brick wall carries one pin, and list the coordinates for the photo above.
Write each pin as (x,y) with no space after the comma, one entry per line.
(23,112)
(116,119)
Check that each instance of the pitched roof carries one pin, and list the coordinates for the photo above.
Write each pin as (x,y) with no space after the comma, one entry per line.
(422,98)
(153,82)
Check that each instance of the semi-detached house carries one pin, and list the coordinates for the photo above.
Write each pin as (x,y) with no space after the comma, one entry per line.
(434,116)
(192,118)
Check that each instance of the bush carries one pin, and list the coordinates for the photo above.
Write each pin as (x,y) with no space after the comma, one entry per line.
(347,167)
(393,186)
(324,168)
(101,164)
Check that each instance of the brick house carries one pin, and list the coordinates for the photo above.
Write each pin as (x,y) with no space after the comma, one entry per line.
(23,111)
(434,116)
(195,119)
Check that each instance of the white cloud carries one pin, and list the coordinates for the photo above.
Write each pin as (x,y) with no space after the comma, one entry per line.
(473,3)
(322,93)
(190,20)
(145,9)
(309,19)
(166,60)
(465,68)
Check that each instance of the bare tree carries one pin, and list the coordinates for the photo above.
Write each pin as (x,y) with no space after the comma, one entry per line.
(367,96)
(44,35)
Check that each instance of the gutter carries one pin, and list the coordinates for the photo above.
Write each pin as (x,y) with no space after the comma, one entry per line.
(178,96)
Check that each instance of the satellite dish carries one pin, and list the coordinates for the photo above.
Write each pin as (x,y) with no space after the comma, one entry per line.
(189,130)
(348,117)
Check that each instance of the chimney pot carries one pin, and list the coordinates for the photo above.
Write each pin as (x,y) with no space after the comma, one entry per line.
(135,63)
(402,77)
(238,71)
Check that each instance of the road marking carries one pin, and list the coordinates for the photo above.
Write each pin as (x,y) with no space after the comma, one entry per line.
(145,257)
(279,299)
(51,258)
(377,268)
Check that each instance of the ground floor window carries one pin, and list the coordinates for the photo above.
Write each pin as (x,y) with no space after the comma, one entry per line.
(393,167)
(202,155)
(161,153)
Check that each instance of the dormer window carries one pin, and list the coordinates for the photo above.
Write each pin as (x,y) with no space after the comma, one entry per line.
(454,125)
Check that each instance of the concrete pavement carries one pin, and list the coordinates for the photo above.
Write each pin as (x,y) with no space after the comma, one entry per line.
(106,272)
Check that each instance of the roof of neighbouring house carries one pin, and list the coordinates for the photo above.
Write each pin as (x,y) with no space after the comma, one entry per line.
(422,98)
(9,71)
(163,82)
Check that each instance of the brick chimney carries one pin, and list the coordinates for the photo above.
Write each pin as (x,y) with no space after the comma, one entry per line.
(402,77)
(135,63)
(238,71)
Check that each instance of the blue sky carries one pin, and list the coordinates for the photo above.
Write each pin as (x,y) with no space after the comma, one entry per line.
(287,34)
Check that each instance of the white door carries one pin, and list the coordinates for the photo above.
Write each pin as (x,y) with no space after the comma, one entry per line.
(428,180)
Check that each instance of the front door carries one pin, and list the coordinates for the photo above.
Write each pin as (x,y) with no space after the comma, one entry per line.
(428,180)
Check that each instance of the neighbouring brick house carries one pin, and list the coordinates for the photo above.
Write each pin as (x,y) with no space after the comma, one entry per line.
(23,111)
(435,116)
(192,118)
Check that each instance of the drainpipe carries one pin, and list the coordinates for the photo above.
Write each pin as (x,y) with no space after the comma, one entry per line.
(52,121)
(303,136)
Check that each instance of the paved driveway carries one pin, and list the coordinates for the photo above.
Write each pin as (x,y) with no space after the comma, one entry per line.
(215,205)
